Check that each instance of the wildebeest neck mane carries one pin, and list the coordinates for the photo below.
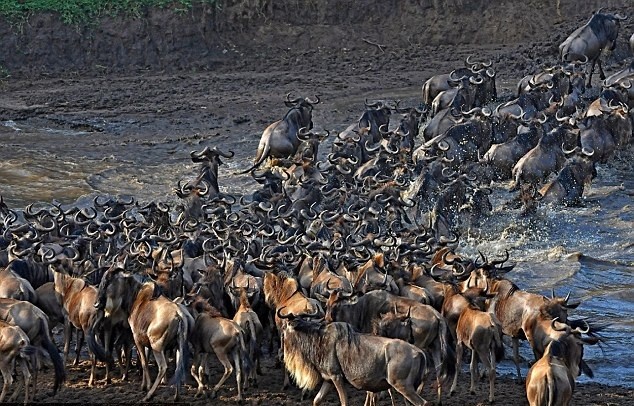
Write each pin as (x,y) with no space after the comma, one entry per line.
(280,288)
(304,349)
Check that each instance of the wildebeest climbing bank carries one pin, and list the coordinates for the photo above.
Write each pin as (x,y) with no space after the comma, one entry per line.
(327,204)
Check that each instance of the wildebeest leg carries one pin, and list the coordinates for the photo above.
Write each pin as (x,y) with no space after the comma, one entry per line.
(34,364)
(491,366)
(341,390)
(7,376)
(369,399)
(226,363)
(410,394)
(516,358)
(161,362)
(236,362)
(127,349)
(601,73)
(438,365)
(79,342)
(594,61)
(26,377)
(474,371)
(459,349)
(198,372)
(142,357)
(23,364)
(287,380)
(68,331)
(323,391)
(26,373)
(93,367)
(108,347)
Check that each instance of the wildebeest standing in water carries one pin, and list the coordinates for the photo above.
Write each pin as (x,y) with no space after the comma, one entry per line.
(588,42)
(279,140)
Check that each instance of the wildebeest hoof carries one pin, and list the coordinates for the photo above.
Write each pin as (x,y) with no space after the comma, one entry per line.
(213,395)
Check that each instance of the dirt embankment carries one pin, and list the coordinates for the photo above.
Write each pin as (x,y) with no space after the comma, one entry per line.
(208,36)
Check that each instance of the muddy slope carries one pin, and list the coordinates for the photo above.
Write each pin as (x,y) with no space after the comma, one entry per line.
(209,36)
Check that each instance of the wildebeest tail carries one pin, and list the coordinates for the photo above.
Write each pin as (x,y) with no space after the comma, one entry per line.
(93,346)
(447,353)
(245,358)
(182,355)
(56,359)
(253,342)
(426,92)
(260,157)
(498,349)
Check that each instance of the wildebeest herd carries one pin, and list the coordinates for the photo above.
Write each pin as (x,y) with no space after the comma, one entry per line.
(347,265)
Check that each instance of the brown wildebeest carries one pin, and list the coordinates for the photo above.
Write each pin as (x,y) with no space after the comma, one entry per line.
(248,320)
(481,332)
(335,353)
(78,300)
(223,336)
(34,323)
(15,287)
(549,382)
(156,322)
(16,347)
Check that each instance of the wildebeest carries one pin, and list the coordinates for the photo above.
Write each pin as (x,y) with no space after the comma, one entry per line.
(590,40)
(209,158)
(213,333)
(15,348)
(549,382)
(502,157)
(248,320)
(547,157)
(438,83)
(336,353)
(481,332)
(282,290)
(279,140)
(156,322)
(78,300)
(14,286)
(567,188)
(429,328)
(34,323)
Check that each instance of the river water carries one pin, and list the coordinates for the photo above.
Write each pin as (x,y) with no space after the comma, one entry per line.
(588,250)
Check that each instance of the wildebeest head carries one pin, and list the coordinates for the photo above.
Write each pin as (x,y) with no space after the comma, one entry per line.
(301,110)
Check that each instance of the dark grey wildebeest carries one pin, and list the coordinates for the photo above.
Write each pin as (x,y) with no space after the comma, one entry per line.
(590,40)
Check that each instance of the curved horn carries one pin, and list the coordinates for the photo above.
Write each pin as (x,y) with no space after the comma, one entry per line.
(554,327)
(317,100)
(291,103)
(587,151)
(372,105)
(229,154)
(579,330)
